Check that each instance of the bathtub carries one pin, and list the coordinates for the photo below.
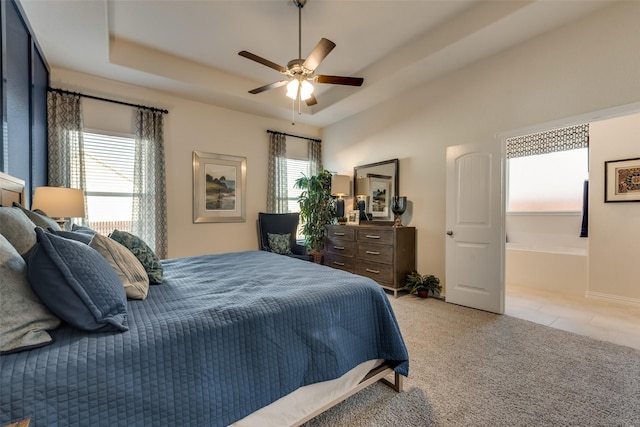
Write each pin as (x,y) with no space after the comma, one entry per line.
(554,268)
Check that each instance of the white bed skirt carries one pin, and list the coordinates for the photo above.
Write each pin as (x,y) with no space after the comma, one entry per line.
(296,406)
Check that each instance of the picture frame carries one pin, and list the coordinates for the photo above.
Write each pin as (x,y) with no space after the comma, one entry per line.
(219,188)
(379,187)
(353,218)
(622,180)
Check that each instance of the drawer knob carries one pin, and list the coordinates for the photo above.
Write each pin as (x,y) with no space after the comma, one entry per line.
(373,253)
(372,236)
(340,248)
(373,271)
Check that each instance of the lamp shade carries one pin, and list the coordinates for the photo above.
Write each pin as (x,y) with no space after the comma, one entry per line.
(340,185)
(59,202)
(362,187)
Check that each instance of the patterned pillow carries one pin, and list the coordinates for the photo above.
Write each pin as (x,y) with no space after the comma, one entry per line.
(18,229)
(38,217)
(77,284)
(73,235)
(280,243)
(143,252)
(25,319)
(124,262)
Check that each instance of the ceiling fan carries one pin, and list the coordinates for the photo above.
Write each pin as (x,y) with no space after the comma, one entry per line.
(300,72)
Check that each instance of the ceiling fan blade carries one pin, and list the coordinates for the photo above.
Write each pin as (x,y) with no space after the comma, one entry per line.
(340,80)
(269,86)
(318,53)
(262,61)
(311,100)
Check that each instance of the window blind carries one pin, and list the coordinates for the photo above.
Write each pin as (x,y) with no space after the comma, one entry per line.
(563,139)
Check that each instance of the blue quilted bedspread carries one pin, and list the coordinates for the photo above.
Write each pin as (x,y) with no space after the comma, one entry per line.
(223,336)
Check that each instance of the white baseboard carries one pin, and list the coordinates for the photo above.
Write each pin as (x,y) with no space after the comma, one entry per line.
(613,298)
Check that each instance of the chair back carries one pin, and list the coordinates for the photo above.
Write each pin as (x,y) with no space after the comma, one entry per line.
(276,223)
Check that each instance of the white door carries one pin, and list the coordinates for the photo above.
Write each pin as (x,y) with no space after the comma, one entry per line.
(474,228)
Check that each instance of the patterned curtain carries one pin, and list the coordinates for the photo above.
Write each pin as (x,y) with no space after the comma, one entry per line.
(149,190)
(66,146)
(569,138)
(315,157)
(277,193)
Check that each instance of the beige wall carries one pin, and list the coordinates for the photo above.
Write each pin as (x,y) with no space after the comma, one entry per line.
(190,126)
(584,67)
(614,228)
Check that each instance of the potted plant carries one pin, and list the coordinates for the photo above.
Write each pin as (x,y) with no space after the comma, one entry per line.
(342,220)
(317,210)
(420,285)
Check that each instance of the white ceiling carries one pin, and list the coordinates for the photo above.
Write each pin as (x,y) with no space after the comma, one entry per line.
(190,48)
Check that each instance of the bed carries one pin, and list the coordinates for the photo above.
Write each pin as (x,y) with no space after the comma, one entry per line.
(247,338)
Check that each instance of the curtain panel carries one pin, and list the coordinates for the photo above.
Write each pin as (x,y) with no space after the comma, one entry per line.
(149,182)
(277,194)
(315,157)
(568,138)
(66,145)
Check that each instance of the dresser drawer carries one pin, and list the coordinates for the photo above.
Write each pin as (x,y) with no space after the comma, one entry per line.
(340,262)
(376,253)
(381,273)
(342,232)
(340,247)
(372,234)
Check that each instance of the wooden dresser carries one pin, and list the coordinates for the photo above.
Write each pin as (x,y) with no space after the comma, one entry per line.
(384,253)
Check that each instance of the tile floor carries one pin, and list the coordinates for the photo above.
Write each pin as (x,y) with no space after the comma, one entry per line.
(607,321)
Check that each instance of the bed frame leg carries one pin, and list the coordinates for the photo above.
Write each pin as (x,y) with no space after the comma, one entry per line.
(396,385)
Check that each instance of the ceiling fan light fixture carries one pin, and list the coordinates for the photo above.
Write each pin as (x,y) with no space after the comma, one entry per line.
(306,90)
(292,89)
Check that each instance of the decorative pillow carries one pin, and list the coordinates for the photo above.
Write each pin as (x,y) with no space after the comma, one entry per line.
(73,235)
(18,229)
(82,229)
(25,319)
(38,217)
(124,262)
(143,252)
(280,243)
(77,284)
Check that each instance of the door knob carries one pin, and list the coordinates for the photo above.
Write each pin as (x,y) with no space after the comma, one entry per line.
(449,233)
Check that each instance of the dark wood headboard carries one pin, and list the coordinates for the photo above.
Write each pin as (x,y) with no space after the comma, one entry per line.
(11,190)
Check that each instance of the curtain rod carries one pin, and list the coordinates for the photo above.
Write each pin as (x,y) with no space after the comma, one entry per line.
(294,136)
(53,89)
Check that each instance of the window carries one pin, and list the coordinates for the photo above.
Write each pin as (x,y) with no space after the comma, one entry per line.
(295,169)
(547,170)
(109,161)
(548,182)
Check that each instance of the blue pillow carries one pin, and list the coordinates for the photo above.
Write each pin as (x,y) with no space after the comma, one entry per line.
(82,229)
(73,235)
(77,284)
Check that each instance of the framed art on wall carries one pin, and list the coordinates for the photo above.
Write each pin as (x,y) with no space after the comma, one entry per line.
(219,188)
(622,180)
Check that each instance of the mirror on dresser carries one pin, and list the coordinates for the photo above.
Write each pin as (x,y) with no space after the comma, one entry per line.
(375,184)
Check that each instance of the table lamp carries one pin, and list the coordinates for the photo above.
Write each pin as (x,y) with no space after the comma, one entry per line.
(59,203)
(340,187)
(362,191)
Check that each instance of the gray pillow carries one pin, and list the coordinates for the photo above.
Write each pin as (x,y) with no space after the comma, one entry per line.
(25,320)
(143,252)
(18,229)
(82,229)
(124,262)
(38,217)
(77,284)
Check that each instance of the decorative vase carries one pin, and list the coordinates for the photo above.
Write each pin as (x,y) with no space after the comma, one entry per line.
(398,206)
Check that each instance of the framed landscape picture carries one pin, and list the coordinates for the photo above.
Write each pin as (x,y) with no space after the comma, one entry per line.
(622,180)
(379,196)
(219,188)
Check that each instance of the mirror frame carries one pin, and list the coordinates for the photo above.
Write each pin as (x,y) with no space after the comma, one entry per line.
(396,183)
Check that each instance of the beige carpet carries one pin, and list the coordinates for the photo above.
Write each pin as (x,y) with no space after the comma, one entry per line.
(472,368)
